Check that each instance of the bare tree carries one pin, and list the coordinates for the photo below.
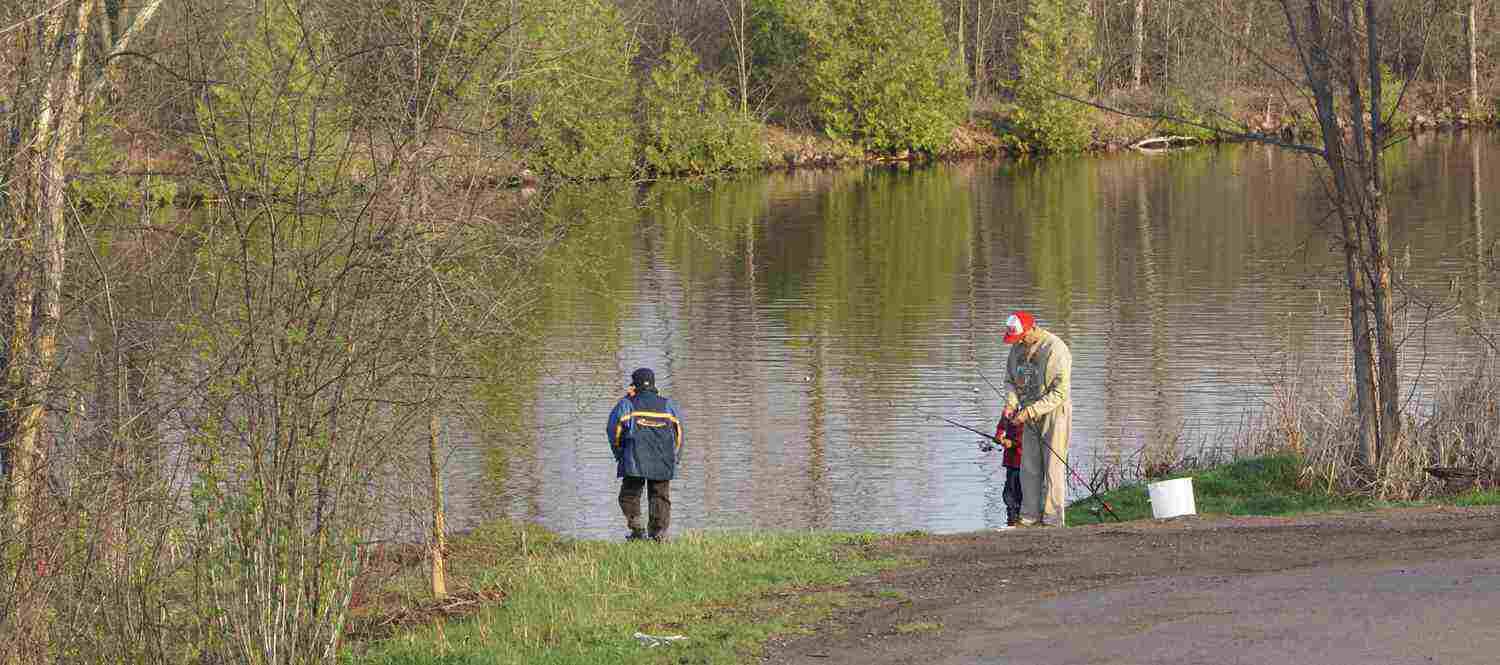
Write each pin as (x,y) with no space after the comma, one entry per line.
(738,18)
(1138,53)
(1473,61)
(1336,48)
(984,30)
(49,81)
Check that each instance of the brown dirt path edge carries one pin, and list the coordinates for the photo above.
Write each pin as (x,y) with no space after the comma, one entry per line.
(1327,588)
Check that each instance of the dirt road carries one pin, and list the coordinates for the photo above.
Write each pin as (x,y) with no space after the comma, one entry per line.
(1395,586)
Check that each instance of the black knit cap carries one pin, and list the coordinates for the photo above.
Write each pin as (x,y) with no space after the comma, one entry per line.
(643,378)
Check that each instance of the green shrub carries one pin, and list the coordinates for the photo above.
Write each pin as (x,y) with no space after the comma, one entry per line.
(881,73)
(691,125)
(575,93)
(1054,58)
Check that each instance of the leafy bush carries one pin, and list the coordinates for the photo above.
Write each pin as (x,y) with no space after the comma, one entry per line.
(1054,58)
(575,93)
(881,72)
(691,125)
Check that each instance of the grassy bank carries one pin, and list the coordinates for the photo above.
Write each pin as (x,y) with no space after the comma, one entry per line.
(581,603)
(1267,485)
(521,595)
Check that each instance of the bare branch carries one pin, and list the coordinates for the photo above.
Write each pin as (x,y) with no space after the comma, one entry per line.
(1168,117)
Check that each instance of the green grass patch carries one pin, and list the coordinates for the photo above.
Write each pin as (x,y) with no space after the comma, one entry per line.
(580,603)
(1479,498)
(918,627)
(1257,486)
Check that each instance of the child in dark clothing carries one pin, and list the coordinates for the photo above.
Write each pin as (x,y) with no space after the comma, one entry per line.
(1008,433)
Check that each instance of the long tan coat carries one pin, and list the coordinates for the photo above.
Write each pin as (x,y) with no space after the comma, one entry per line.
(1038,378)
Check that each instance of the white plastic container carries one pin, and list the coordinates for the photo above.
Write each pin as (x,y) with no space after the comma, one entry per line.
(1172,498)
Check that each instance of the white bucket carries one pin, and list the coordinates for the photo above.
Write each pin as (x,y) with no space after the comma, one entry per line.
(1171,498)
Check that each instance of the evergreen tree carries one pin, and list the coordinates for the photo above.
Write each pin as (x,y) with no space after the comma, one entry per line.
(881,72)
(691,124)
(1055,57)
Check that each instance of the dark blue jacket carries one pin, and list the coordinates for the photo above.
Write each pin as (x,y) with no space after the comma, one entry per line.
(645,434)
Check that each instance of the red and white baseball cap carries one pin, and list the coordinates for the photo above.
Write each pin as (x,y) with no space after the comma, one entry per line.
(1017,325)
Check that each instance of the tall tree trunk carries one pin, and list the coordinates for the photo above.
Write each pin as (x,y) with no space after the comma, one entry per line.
(107,27)
(743,58)
(1378,217)
(1473,25)
(439,515)
(1320,79)
(17,452)
(1359,339)
(981,37)
(739,33)
(439,540)
(1249,31)
(41,234)
(963,58)
(1139,51)
(417,197)
(1368,207)
(1166,43)
(35,226)
(138,23)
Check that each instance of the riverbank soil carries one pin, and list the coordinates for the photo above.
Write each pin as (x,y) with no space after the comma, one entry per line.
(1411,585)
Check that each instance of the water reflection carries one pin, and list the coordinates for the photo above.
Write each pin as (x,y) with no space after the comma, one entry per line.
(805,321)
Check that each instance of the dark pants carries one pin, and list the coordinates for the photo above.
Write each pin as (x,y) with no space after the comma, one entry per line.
(1012,494)
(659,498)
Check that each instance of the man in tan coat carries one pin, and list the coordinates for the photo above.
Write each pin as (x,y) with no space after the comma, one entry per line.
(1038,373)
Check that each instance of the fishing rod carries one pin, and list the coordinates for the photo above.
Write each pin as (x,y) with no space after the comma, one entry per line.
(1093,494)
(957,424)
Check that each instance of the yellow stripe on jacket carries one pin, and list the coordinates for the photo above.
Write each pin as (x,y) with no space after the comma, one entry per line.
(650,417)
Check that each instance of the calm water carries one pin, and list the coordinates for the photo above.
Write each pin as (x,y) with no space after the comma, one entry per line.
(806,323)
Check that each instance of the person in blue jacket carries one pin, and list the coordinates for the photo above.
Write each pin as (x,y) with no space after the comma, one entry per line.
(645,435)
